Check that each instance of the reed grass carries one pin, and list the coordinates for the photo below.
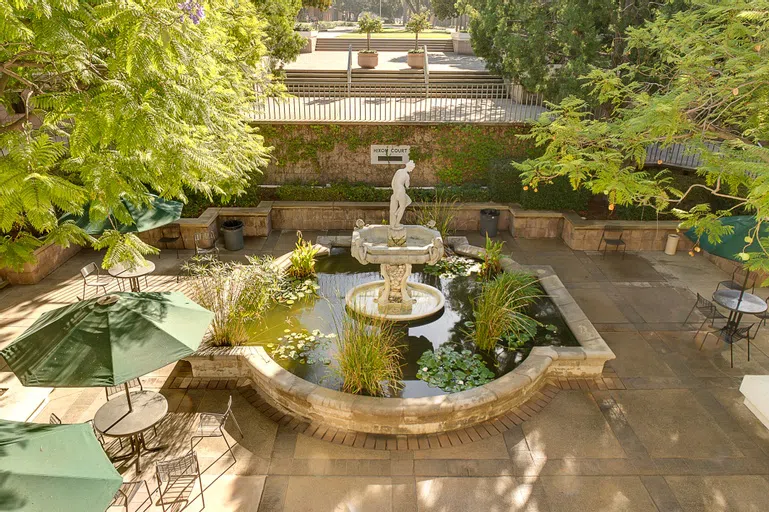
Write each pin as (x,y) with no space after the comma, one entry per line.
(441,211)
(369,358)
(499,307)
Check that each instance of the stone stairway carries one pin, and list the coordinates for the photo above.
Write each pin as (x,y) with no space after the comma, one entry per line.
(337,44)
(407,82)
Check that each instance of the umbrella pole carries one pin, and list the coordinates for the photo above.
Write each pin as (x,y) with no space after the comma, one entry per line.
(128,397)
(744,285)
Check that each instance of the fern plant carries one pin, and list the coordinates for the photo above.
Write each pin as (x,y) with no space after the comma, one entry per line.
(109,99)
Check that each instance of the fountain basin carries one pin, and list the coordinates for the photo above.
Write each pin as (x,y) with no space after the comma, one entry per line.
(370,245)
(427,302)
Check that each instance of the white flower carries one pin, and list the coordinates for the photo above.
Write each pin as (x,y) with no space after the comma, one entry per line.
(425,369)
(460,382)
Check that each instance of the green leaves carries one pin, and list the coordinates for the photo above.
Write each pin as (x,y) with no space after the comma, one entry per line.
(123,98)
(452,370)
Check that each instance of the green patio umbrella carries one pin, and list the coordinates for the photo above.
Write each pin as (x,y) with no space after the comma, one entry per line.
(54,467)
(161,212)
(107,341)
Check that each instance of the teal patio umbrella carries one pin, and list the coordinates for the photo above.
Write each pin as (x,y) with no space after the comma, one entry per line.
(160,213)
(54,467)
(107,341)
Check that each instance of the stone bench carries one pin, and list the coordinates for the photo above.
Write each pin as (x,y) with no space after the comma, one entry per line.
(756,391)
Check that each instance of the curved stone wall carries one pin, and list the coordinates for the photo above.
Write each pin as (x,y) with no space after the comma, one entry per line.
(417,415)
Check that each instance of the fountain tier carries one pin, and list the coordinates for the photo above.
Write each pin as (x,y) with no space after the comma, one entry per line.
(396,250)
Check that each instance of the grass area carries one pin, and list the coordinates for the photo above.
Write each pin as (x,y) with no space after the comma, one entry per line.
(397,34)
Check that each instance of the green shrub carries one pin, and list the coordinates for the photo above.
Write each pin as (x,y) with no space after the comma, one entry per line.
(505,187)
(491,265)
(197,202)
(439,211)
(504,182)
(498,309)
(368,359)
(302,259)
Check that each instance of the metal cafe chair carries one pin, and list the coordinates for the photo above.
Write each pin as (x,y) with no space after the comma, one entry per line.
(176,478)
(92,277)
(731,336)
(612,236)
(734,284)
(212,425)
(706,309)
(126,493)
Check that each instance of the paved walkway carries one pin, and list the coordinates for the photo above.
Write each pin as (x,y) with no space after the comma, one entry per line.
(677,438)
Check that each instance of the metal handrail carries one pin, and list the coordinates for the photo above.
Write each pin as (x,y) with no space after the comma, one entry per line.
(349,68)
(427,73)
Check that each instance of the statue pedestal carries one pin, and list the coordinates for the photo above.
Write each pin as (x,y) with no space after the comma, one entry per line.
(394,298)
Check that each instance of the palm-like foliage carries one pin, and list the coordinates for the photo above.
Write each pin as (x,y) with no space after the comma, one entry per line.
(113,98)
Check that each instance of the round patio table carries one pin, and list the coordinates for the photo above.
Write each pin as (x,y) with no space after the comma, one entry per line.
(730,299)
(114,419)
(132,274)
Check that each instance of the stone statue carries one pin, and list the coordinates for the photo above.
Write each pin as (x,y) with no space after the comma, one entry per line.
(400,199)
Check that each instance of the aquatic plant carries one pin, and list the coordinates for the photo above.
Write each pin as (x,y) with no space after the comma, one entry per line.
(303,346)
(452,266)
(491,265)
(498,308)
(368,359)
(452,370)
(292,290)
(302,259)
(235,293)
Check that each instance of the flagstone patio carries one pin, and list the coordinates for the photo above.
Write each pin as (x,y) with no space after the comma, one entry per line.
(674,436)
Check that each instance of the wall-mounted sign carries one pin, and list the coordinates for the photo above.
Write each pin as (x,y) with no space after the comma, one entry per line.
(390,154)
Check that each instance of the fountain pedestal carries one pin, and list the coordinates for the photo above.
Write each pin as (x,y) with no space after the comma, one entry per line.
(395,298)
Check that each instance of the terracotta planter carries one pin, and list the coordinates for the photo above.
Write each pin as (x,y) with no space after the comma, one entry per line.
(368,60)
(416,60)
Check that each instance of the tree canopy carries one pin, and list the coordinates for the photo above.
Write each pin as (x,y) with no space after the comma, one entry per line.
(547,46)
(700,78)
(103,100)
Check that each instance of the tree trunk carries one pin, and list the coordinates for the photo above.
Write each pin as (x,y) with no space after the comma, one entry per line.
(368,41)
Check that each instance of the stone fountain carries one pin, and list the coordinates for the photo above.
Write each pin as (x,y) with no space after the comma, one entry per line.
(396,248)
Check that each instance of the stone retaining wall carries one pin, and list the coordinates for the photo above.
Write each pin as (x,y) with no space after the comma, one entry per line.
(425,415)
(47,259)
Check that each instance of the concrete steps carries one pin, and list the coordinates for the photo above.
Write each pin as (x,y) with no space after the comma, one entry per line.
(383,45)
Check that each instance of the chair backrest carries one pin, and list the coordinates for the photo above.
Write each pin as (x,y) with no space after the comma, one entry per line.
(612,233)
(54,420)
(205,240)
(227,412)
(89,269)
(186,465)
(114,390)
(702,302)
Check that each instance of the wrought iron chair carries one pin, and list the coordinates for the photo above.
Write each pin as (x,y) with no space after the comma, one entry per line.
(212,425)
(206,244)
(762,318)
(176,478)
(126,493)
(734,284)
(54,420)
(92,277)
(706,309)
(731,336)
(612,236)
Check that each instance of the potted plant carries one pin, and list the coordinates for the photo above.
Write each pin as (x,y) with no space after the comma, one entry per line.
(417,23)
(368,23)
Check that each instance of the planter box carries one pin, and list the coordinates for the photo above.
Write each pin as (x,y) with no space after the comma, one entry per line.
(47,259)
(311,36)
(416,60)
(462,44)
(368,60)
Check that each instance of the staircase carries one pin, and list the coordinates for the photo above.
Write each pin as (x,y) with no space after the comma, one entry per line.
(395,83)
(337,44)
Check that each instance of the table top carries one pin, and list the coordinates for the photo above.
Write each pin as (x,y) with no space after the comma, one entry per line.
(730,299)
(128,273)
(114,418)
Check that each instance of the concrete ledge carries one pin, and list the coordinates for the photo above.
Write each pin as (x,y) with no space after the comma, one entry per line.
(755,388)
(48,258)
(425,415)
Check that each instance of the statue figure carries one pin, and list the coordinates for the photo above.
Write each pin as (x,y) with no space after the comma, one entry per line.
(400,199)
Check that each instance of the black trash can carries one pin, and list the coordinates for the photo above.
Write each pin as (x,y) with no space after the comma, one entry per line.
(233,234)
(489,222)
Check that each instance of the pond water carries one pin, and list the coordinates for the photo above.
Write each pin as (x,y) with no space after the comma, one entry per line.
(323,315)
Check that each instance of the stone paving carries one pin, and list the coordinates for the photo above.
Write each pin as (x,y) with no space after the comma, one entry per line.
(676,438)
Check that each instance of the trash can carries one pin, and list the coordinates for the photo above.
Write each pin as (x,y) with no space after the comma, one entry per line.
(672,244)
(489,222)
(233,234)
